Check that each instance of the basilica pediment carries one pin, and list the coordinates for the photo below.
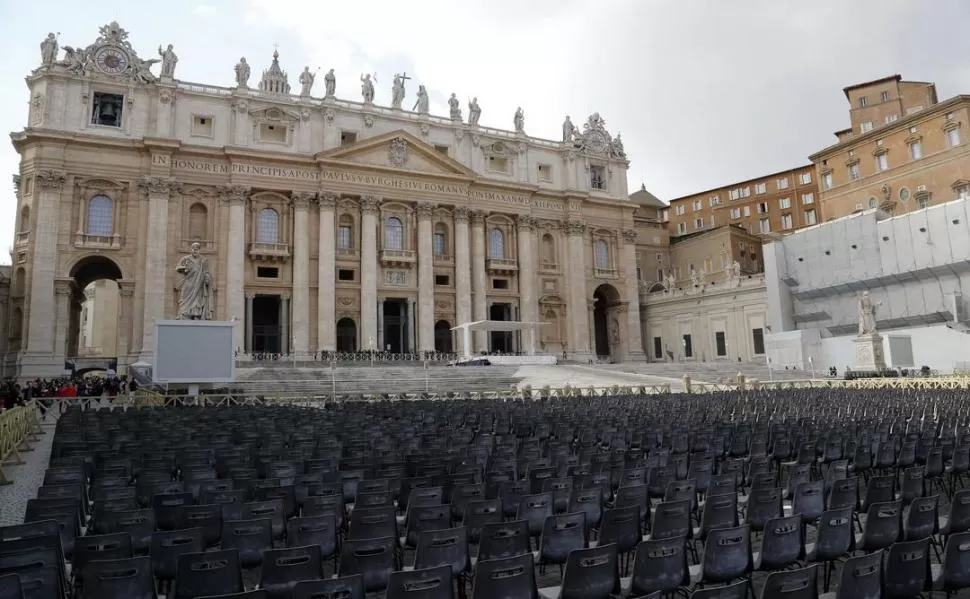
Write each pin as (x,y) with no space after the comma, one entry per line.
(398,150)
(274,113)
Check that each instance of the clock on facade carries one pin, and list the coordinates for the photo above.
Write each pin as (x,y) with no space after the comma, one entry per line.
(111,61)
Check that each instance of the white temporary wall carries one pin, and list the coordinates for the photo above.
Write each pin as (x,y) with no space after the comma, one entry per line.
(194,352)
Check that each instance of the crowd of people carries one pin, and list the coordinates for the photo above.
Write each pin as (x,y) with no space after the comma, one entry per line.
(13,394)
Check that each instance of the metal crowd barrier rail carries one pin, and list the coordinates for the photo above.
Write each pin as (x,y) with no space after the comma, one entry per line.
(914,383)
(19,427)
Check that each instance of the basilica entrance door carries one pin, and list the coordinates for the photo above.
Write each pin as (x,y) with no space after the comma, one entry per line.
(266,324)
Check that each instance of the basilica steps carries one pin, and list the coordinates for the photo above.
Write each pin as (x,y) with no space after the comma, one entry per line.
(712,372)
(282,379)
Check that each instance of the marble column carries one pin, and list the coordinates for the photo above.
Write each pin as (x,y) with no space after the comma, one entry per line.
(248,340)
(634,345)
(479,280)
(577,308)
(368,271)
(463,268)
(425,315)
(285,346)
(412,326)
(380,345)
(327,275)
(63,293)
(301,270)
(236,197)
(41,303)
(528,302)
(126,301)
(158,192)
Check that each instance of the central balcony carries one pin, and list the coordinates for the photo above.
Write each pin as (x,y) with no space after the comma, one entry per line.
(398,258)
(606,273)
(269,252)
(502,265)
(104,242)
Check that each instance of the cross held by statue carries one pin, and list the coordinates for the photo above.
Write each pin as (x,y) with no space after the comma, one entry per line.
(404,77)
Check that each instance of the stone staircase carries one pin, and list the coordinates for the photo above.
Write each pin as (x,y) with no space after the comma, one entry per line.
(712,372)
(282,379)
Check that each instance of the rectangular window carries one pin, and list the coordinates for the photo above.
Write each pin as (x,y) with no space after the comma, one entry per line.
(344,238)
(866,126)
(763,208)
(720,344)
(916,150)
(806,178)
(786,221)
(500,283)
(758,340)
(545,172)
(863,101)
(679,210)
(784,203)
(884,97)
(810,217)
(760,188)
(735,194)
(963,192)
(854,172)
(953,137)
(698,205)
(892,118)
(345,274)
(746,191)
(735,213)
(267,272)
(827,180)
(747,210)
(688,346)
(348,138)
(438,244)
(782,183)
(681,228)
(201,125)
(914,109)
(106,109)
(808,198)
(272,133)
(658,348)
(441,149)
(500,164)
(882,162)
(441,280)
(660,274)
(713,201)
(698,223)
(765,225)
(597,177)
(639,274)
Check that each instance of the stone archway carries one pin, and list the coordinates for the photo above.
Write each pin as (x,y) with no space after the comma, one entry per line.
(94,326)
(442,337)
(606,328)
(346,335)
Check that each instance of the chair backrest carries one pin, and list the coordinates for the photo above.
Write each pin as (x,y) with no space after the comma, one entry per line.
(906,569)
(660,565)
(447,547)
(783,544)
(100,547)
(763,505)
(373,558)
(508,578)
(959,520)
(844,493)
(320,531)
(168,545)
(720,511)
(534,509)
(883,525)
(737,590)
(956,562)
(562,533)
(671,520)
(835,535)
(10,587)
(372,523)
(792,584)
(861,577)
(592,572)
(504,539)
(922,518)
(345,587)
(119,579)
(249,537)
(621,525)
(426,583)
(809,500)
(727,554)
(283,568)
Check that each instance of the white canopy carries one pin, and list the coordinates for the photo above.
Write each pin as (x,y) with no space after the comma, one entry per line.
(498,325)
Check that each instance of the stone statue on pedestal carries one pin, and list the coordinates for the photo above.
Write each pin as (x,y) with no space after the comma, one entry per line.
(455,107)
(568,131)
(474,112)
(195,290)
(367,88)
(519,120)
(48,50)
(306,82)
(397,91)
(242,73)
(422,104)
(736,270)
(330,81)
(867,314)
(169,60)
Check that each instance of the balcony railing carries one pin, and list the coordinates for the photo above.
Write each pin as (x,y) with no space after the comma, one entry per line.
(84,240)
(205,246)
(22,238)
(269,251)
(606,273)
(397,257)
(502,265)
(346,252)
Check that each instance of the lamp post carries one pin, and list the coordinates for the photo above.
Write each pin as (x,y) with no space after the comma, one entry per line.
(811,364)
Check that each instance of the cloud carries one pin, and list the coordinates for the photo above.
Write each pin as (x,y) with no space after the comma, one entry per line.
(203,9)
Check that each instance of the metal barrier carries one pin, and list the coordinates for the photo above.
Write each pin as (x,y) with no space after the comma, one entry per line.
(914,383)
(19,427)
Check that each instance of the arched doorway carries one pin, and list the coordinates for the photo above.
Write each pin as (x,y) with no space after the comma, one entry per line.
(442,337)
(94,323)
(346,335)
(607,334)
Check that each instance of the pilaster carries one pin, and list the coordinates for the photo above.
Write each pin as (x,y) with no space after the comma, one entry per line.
(528,302)
(577,308)
(126,305)
(479,281)
(236,196)
(39,334)
(301,270)
(369,206)
(629,266)
(425,315)
(285,344)
(157,191)
(326,275)
(463,267)
(63,291)
(248,341)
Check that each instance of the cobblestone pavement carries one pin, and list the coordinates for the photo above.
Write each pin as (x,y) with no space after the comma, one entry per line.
(26,477)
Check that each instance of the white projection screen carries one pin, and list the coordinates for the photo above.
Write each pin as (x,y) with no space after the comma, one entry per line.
(194,351)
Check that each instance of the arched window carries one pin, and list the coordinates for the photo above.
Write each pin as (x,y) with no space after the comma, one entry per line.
(345,233)
(872,202)
(440,241)
(198,222)
(25,219)
(19,282)
(393,233)
(497,244)
(268,226)
(548,250)
(100,216)
(602,254)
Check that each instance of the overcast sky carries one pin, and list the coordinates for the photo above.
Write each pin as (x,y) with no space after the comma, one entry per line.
(705,92)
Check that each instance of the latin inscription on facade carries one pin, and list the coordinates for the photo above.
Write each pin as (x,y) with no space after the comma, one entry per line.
(237,168)
(395,182)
